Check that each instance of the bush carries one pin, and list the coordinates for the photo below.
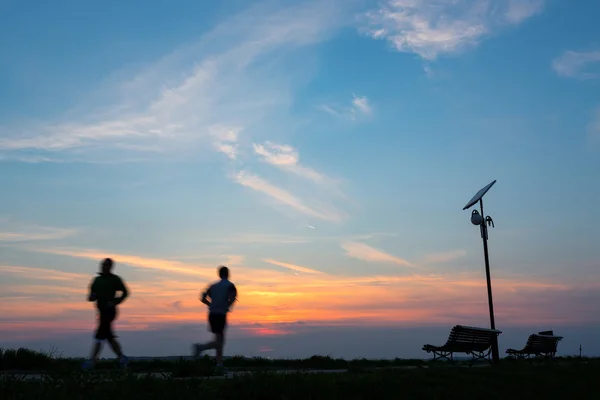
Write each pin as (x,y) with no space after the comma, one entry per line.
(24,359)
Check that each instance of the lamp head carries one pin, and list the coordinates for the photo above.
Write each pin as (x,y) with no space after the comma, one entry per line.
(476,218)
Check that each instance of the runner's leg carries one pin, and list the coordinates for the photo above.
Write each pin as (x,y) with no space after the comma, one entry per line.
(116,347)
(99,337)
(214,328)
(219,342)
(111,338)
(95,352)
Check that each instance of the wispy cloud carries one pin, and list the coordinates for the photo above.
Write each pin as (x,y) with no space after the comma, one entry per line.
(334,111)
(277,154)
(271,298)
(293,267)
(11,231)
(520,10)
(137,261)
(435,258)
(173,106)
(214,94)
(433,27)
(360,105)
(365,252)
(225,140)
(573,64)
(282,196)
(287,158)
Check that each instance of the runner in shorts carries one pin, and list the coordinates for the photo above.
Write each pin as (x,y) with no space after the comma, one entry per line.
(222,295)
(103,290)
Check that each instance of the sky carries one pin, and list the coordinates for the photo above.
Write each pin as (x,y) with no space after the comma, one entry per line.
(323,150)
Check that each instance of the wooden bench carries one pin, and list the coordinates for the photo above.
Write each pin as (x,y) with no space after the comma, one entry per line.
(465,339)
(539,344)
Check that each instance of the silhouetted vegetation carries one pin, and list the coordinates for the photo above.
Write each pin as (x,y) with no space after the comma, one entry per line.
(30,360)
(574,379)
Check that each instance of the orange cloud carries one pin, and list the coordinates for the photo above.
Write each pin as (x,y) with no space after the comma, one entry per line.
(265,331)
(140,262)
(272,297)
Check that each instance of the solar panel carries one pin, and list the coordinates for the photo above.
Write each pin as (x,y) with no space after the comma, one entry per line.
(479,195)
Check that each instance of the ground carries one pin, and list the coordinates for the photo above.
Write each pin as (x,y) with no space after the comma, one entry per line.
(571,378)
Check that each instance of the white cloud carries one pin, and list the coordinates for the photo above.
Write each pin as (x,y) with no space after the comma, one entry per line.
(365,252)
(332,110)
(433,27)
(294,267)
(260,185)
(573,64)
(520,10)
(228,78)
(213,94)
(359,105)
(277,154)
(286,158)
(225,140)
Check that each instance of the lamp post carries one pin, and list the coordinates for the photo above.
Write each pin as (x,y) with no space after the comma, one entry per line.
(484,221)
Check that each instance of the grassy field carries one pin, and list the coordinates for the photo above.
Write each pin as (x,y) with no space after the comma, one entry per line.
(564,379)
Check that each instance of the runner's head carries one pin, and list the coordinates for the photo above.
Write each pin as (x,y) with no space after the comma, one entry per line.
(107,265)
(223,272)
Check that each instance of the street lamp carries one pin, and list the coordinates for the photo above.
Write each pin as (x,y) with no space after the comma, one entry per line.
(483,222)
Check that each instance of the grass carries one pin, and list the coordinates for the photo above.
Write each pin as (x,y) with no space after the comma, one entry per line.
(519,380)
(567,378)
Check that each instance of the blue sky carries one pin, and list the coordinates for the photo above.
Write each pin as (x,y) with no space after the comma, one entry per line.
(306,144)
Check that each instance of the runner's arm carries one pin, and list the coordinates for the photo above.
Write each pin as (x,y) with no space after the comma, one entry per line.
(124,290)
(232,295)
(92,291)
(204,297)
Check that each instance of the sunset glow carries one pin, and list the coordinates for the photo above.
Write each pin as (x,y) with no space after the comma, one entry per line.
(323,150)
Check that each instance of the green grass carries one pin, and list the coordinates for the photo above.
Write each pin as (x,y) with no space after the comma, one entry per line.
(568,380)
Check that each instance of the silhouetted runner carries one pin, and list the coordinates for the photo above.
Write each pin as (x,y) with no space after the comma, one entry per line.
(103,290)
(222,296)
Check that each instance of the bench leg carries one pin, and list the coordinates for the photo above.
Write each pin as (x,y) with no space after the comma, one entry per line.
(438,355)
(550,356)
(480,355)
